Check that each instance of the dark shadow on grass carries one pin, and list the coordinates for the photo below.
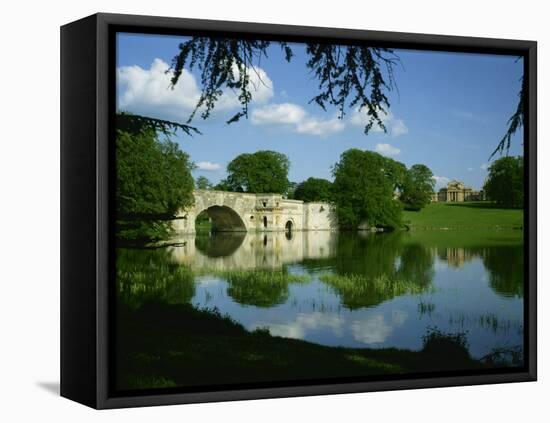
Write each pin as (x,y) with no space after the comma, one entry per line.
(51,387)
(481,205)
(163,346)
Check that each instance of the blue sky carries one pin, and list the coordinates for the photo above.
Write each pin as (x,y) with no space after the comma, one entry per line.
(449,112)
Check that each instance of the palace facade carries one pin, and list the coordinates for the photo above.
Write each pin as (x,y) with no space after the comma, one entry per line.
(457,192)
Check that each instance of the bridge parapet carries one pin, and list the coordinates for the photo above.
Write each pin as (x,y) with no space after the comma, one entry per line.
(245,212)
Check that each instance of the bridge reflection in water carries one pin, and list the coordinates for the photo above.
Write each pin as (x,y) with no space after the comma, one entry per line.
(250,250)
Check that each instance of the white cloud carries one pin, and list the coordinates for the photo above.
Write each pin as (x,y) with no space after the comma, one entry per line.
(208,166)
(484,166)
(375,329)
(148,91)
(441,181)
(284,113)
(394,126)
(303,324)
(470,169)
(465,115)
(398,127)
(387,150)
(296,118)
(372,330)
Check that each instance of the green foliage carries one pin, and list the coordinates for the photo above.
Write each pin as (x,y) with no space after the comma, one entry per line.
(445,347)
(396,172)
(223,185)
(135,124)
(202,182)
(348,76)
(314,189)
(153,181)
(505,268)
(418,188)
(260,288)
(364,191)
(388,267)
(355,289)
(504,184)
(291,189)
(515,122)
(351,76)
(259,172)
(148,275)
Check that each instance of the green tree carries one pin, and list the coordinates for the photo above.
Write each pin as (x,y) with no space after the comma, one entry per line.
(364,192)
(314,189)
(259,172)
(504,184)
(396,172)
(202,182)
(418,187)
(153,181)
(291,189)
(223,185)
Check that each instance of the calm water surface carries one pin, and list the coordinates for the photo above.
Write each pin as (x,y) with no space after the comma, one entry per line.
(348,289)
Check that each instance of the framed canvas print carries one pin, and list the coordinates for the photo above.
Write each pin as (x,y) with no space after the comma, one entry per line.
(254,211)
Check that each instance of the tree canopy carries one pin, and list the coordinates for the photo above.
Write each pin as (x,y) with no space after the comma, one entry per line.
(153,181)
(504,184)
(260,172)
(202,182)
(313,189)
(418,187)
(364,191)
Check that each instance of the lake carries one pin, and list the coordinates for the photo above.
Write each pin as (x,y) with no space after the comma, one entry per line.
(344,289)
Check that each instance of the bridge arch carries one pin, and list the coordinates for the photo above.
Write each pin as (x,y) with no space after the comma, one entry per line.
(224,219)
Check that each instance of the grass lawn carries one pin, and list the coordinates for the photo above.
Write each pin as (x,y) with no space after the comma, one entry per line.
(468,215)
(164,346)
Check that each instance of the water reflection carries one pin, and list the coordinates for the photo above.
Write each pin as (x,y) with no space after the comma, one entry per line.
(151,275)
(505,266)
(376,290)
(253,250)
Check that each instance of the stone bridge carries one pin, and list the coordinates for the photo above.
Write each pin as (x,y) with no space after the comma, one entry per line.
(244,212)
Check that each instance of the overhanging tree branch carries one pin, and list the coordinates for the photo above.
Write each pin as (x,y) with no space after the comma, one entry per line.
(348,76)
(515,122)
(134,124)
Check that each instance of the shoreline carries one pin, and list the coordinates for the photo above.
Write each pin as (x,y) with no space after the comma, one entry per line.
(177,345)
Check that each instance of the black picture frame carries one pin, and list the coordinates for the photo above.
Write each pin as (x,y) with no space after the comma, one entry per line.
(87,107)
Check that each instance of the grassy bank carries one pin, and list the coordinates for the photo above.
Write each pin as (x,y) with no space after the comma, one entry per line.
(468,215)
(163,346)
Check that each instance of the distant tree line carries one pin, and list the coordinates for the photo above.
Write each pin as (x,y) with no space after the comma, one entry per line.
(368,189)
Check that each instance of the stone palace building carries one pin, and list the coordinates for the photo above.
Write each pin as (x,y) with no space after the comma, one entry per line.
(457,192)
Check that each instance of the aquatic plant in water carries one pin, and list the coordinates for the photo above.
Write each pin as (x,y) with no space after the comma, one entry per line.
(357,290)
(148,275)
(260,288)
